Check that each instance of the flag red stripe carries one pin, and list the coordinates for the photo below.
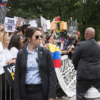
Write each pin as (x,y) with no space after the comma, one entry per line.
(57,63)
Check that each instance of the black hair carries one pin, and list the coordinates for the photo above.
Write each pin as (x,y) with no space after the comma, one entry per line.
(29,33)
(48,37)
(51,32)
(15,42)
(19,28)
(46,33)
(25,26)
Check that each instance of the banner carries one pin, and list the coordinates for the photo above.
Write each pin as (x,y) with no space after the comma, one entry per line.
(2,59)
(10,24)
(33,22)
(72,28)
(3,11)
(66,76)
(44,24)
(10,73)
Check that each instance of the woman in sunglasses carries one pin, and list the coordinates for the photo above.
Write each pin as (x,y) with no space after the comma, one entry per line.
(35,77)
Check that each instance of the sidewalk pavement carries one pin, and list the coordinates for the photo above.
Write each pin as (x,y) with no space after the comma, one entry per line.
(66,98)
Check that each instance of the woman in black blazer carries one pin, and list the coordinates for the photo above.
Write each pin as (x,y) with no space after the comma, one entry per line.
(35,77)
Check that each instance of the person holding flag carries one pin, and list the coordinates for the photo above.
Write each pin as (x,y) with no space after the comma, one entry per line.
(55,52)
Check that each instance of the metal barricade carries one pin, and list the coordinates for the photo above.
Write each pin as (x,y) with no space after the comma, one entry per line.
(5,92)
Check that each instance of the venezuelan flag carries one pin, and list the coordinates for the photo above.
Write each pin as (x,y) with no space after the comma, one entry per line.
(56,55)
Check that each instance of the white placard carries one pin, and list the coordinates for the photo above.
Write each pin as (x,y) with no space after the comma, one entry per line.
(2,59)
(48,25)
(33,23)
(10,24)
(44,24)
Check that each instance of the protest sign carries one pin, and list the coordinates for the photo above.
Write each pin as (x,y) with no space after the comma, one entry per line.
(10,24)
(10,73)
(44,24)
(72,28)
(17,19)
(57,18)
(33,22)
(48,25)
(2,59)
(3,11)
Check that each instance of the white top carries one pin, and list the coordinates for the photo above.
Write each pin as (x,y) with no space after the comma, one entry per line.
(8,55)
(2,59)
(14,52)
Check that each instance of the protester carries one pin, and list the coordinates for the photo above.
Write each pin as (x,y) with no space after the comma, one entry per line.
(35,76)
(86,60)
(19,22)
(49,39)
(5,42)
(23,28)
(19,30)
(16,44)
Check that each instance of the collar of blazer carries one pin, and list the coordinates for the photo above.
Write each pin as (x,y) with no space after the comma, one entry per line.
(40,55)
(40,52)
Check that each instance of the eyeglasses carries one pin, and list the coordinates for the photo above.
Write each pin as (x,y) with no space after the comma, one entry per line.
(37,36)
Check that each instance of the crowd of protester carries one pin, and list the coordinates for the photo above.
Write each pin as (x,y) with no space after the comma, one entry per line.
(13,42)
(16,41)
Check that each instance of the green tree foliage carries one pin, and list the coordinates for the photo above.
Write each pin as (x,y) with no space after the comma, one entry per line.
(85,11)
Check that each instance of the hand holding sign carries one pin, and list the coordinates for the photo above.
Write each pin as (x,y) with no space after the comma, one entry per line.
(20,19)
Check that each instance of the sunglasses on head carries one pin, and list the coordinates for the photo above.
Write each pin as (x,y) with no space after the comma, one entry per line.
(37,36)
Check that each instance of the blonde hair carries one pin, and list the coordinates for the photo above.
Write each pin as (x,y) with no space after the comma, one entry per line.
(3,39)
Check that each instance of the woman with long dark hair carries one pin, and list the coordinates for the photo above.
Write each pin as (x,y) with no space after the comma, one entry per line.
(16,44)
(35,77)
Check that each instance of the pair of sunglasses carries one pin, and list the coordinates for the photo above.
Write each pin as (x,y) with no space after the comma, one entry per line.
(37,36)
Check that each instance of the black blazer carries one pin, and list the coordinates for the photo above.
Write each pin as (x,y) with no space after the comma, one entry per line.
(86,59)
(47,73)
